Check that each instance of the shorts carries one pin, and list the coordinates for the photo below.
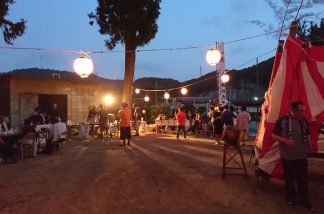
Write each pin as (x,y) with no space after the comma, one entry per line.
(125,132)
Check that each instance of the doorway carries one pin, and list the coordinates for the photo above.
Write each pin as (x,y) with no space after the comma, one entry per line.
(46,101)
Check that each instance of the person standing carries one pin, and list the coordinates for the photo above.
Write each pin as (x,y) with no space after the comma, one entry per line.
(243,121)
(217,127)
(228,116)
(136,118)
(292,132)
(54,113)
(232,109)
(103,120)
(181,119)
(92,114)
(125,117)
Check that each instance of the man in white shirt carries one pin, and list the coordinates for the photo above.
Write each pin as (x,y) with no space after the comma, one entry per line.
(56,132)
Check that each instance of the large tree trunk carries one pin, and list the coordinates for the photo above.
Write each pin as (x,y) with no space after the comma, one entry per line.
(129,73)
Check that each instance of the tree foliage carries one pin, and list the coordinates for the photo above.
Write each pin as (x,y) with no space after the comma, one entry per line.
(129,22)
(313,32)
(10,29)
(293,7)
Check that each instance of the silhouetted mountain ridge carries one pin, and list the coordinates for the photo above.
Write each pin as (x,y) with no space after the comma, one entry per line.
(246,78)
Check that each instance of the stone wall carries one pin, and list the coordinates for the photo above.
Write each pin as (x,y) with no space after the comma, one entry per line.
(24,97)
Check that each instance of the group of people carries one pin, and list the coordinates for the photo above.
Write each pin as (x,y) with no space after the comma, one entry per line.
(217,119)
(9,137)
(102,116)
(290,130)
(41,116)
(99,114)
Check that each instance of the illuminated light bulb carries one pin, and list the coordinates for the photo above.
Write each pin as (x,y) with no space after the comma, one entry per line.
(184,91)
(225,78)
(108,100)
(213,56)
(147,98)
(137,91)
(166,95)
(83,66)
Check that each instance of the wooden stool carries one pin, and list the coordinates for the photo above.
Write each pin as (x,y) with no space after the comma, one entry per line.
(232,148)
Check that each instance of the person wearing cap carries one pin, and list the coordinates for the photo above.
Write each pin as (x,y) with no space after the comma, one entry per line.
(125,117)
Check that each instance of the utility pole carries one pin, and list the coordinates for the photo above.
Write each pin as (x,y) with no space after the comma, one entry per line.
(257,76)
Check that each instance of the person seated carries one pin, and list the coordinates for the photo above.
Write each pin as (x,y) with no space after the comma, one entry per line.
(56,133)
(8,140)
(4,123)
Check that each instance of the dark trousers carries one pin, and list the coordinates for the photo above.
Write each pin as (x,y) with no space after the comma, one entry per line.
(7,150)
(183,130)
(296,171)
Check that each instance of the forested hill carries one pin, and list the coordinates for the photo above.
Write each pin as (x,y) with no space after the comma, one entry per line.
(246,76)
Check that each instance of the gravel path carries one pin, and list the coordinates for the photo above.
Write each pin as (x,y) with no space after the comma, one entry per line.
(156,174)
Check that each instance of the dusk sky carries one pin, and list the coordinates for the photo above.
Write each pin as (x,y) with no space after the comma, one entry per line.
(64,24)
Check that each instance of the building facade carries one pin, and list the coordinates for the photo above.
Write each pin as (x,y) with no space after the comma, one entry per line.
(20,94)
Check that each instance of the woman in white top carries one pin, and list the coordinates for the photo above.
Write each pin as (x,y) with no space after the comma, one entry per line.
(243,121)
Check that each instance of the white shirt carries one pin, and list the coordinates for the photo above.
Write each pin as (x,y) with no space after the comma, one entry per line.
(243,120)
(57,131)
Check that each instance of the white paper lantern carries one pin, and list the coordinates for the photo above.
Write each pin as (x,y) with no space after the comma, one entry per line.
(166,95)
(213,56)
(83,66)
(225,78)
(184,91)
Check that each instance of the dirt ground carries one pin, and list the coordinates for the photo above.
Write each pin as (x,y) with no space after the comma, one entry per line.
(156,174)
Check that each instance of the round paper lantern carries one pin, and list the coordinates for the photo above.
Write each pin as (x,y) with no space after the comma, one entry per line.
(184,91)
(213,56)
(225,78)
(166,95)
(83,66)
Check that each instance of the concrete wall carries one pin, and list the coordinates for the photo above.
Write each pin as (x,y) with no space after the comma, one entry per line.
(4,96)
(24,97)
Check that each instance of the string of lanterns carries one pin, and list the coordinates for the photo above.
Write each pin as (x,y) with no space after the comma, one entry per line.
(213,57)
(83,66)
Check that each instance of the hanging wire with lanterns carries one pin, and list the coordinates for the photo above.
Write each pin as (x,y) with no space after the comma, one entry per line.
(214,56)
(183,89)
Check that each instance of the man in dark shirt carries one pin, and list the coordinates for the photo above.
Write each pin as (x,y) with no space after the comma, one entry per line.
(292,132)
(228,116)
(54,112)
(103,120)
